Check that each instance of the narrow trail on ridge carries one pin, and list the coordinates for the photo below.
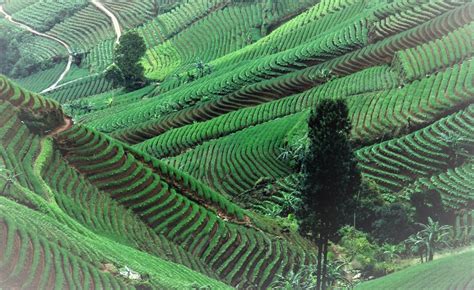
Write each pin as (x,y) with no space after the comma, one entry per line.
(115,22)
(45,152)
(76,80)
(26,27)
(68,123)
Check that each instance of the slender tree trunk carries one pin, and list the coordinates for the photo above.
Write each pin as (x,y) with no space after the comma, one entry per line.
(355,210)
(5,187)
(354,220)
(320,261)
(325,263)
(431,255)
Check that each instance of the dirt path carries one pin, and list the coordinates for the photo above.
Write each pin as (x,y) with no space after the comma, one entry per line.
(116,24)
(67,124)
(26,27)
(76,80)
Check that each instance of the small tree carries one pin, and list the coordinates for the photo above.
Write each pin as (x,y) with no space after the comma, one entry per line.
(331,179)
(78,57)
(10,178)
(434,236)
(416,245)
(127,69)
(202,68)
(429,239)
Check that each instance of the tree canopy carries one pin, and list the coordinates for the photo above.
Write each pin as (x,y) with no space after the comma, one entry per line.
(127,70)
(330,168)
(13,62)
(331,177)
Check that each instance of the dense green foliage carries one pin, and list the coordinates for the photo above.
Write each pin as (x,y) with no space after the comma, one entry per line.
(14,61)
(126,69)
(195,178)
(331,178)
(10,51)
(393,223)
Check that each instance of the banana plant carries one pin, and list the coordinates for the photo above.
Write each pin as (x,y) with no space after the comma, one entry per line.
(416,245)
(434,236)
(9,176)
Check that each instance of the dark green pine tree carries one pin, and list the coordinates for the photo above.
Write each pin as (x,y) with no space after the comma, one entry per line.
(331,179)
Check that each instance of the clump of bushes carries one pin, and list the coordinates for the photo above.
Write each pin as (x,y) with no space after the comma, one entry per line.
(13,62)
(127,70)
(366,259)
(78,107)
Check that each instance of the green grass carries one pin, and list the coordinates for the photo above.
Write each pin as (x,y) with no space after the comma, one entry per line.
(453,272)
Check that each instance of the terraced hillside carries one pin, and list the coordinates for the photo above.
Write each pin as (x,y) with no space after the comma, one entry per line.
(408,82)
(128,197)
(159,179)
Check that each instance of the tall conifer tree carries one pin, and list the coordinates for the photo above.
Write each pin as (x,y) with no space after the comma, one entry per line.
(331,178)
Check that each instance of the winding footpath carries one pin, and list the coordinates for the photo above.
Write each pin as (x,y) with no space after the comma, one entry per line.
(26,27)
(116,24)
(100,6)
(68,123)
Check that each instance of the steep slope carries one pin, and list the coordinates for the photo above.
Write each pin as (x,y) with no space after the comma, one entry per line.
(130,198)
(68,218)
(400,75)
(165,171)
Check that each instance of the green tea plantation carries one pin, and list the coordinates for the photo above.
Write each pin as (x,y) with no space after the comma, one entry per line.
(166,144)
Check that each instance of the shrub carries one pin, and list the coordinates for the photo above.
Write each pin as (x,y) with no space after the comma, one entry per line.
(393,224)
(304,278)
(358,248)
(429,204)
(365,256)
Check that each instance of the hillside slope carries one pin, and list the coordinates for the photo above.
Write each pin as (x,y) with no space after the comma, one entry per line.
(407,78)
(184,180)
(42,224)
(453,272)
(131,198)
